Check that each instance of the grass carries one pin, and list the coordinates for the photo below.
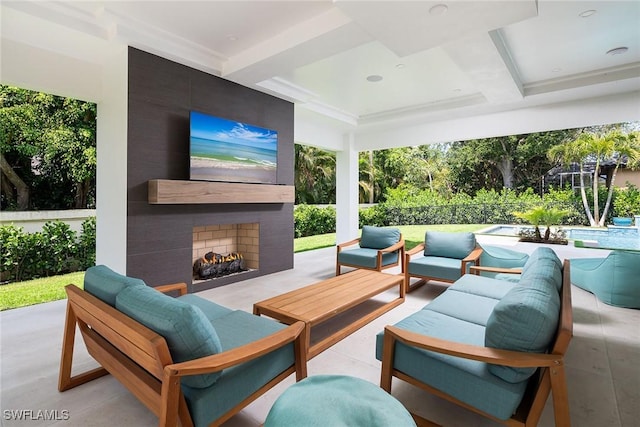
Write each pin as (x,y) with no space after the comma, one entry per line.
(21,294)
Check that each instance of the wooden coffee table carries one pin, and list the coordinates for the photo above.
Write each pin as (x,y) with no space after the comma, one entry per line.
(321,301)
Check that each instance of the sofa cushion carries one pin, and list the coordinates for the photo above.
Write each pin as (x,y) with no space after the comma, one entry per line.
(483,286)
(365,257)
(379,238)
(236,329)
(105,284)
(449,245)
(188,332)
(464,306)
(468,380)
(210,309)
(525,319)
(543,267)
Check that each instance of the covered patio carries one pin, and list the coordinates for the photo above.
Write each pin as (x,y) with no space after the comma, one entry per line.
(603,374)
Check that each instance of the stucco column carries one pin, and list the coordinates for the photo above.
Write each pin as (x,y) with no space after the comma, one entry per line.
(347,191)
(111,174)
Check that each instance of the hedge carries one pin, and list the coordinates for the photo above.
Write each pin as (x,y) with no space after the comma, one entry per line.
(57,249)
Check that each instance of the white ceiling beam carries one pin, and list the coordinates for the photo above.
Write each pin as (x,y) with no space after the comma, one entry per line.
(486,61)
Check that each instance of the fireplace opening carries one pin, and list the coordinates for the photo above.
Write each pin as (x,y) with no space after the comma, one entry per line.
(225,249)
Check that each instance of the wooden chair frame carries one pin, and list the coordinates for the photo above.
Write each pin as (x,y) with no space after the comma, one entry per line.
(473,257)
(139,358)
(550,377)
(379,267)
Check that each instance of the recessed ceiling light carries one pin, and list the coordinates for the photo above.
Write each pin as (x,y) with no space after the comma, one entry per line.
(587,13)
(231,37)
(400,66)
(439,9)
(374,78)
(618,50)
(556,70)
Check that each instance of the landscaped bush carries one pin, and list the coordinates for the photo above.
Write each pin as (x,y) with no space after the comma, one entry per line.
(626,201)
(310,220)
(55,250)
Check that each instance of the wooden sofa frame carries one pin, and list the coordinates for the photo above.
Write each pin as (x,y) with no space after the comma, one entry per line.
(471,258)
(550,377)
(139,357)
(400,246)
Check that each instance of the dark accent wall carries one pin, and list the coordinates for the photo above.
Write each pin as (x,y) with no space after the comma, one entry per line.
(159,237)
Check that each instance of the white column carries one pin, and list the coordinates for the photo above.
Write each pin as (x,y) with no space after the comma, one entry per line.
(111,180)
(347,191)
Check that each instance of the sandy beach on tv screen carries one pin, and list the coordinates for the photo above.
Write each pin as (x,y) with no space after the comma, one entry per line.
(216,170)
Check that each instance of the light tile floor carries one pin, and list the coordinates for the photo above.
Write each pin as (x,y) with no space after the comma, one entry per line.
(603,360)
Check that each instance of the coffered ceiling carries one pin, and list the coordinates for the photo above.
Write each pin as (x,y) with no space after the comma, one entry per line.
(364,63)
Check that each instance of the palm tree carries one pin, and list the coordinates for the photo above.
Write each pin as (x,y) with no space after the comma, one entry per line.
(314,174)
(613,145)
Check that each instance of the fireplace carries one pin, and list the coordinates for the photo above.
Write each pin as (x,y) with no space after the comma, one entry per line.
(224,249)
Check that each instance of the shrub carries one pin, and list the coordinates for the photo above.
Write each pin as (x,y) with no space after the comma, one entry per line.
(311,220)
(55,250)
(626,201)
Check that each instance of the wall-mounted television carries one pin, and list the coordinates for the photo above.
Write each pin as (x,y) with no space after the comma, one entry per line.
(231,151)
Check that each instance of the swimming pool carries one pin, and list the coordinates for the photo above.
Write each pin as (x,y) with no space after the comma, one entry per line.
(610,238)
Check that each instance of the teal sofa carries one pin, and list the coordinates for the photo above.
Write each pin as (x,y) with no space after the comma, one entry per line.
(443,256)
(183,357)
(489,345)
(614,280)
(377,248)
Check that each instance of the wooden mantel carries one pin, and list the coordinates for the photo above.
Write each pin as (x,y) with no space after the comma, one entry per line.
(167,192)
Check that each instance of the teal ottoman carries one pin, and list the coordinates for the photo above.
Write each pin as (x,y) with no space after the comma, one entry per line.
(337,400)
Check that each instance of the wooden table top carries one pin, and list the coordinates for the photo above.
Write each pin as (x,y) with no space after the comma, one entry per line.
(320,301)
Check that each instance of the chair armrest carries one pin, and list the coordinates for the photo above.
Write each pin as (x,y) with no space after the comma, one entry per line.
(238,355)
(473,256)
(180,287)
(476,269)
(349,243)
(393,248)
(494,356)
(415,250)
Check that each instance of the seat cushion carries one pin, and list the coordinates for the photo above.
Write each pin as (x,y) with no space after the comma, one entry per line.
(464,306)
(209,308)
(437,267)
(483,286)
(105,284)
(237,382)
(378,237)
(337,401)
(449,245)
(188,332)
(365,258)
(467,380)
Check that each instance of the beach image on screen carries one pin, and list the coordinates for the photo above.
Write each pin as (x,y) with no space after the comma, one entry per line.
(226,150)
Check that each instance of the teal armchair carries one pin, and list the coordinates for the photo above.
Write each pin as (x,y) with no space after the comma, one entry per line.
(444,256)
(377,249)
(613,280)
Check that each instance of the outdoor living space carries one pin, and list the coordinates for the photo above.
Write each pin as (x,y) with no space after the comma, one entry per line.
(602,369)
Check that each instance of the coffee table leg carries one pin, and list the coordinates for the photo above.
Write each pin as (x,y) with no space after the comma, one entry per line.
(307,327)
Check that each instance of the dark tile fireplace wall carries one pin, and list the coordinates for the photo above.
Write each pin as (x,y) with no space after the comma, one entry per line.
(159,237)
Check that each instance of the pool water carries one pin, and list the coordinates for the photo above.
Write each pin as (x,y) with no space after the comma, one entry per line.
(611,238)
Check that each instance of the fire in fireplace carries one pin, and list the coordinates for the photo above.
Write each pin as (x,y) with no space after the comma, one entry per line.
(213,265)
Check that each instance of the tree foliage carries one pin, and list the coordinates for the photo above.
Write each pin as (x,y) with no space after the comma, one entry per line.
(47,149)
(594,149)
(315,175)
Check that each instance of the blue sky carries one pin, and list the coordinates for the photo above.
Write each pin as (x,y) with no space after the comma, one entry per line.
(219,129)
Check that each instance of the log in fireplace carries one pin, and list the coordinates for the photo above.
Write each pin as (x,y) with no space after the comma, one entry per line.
(223,249)
(213,265)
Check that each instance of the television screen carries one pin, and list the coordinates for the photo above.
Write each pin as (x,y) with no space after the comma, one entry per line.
(226,150)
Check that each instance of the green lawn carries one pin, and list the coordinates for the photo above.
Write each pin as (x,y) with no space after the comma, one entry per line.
(37,291)
(47,289)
